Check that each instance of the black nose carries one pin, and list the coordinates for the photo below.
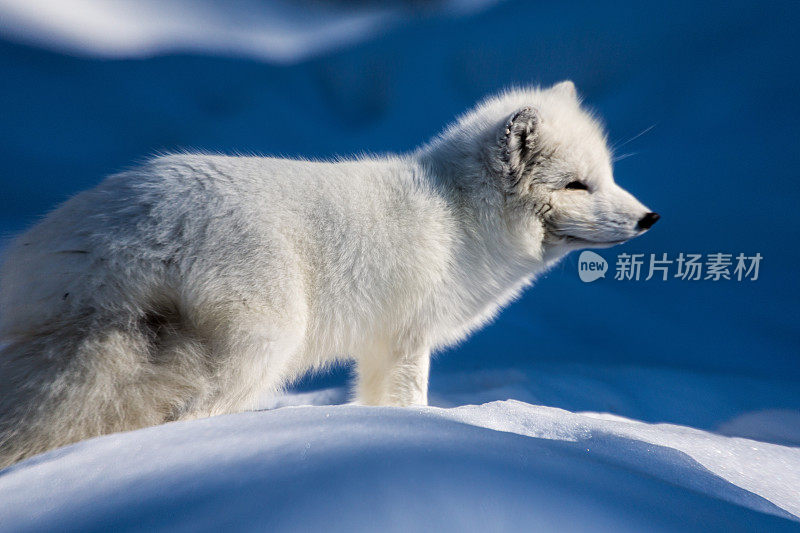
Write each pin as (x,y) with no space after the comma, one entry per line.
(648,220)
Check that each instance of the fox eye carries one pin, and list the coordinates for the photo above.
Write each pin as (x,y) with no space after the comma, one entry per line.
(576,185)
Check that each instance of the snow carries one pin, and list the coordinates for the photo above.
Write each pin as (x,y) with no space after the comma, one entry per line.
(771,425)
(503,465)
(499,466)
(280,31)
(603,406)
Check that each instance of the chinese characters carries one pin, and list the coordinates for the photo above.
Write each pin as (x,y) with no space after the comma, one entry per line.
(688,267)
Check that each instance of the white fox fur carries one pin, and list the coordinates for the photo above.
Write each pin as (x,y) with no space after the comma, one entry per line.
(192,284)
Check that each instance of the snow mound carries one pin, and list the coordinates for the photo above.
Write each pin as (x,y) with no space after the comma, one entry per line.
(499,466)
(278,31)
(781,426)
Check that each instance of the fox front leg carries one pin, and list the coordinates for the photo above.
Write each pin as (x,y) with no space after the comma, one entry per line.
(394,376)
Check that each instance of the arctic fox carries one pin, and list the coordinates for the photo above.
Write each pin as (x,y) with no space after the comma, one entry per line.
(189,286)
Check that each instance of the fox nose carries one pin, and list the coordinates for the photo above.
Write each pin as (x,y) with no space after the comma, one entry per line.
(647,221)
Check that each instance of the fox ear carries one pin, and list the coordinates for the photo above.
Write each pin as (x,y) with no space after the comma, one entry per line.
(519,142)
(566,88)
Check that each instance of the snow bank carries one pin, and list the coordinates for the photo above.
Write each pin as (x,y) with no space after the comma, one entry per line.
(281,31)
(499,466)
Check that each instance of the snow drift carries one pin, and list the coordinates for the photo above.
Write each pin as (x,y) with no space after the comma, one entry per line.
(496,467)
(280,30)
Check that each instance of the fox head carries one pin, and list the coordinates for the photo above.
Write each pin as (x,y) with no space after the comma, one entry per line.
(541,161)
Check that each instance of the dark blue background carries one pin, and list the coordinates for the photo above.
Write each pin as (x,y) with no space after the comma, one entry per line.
(718,85)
